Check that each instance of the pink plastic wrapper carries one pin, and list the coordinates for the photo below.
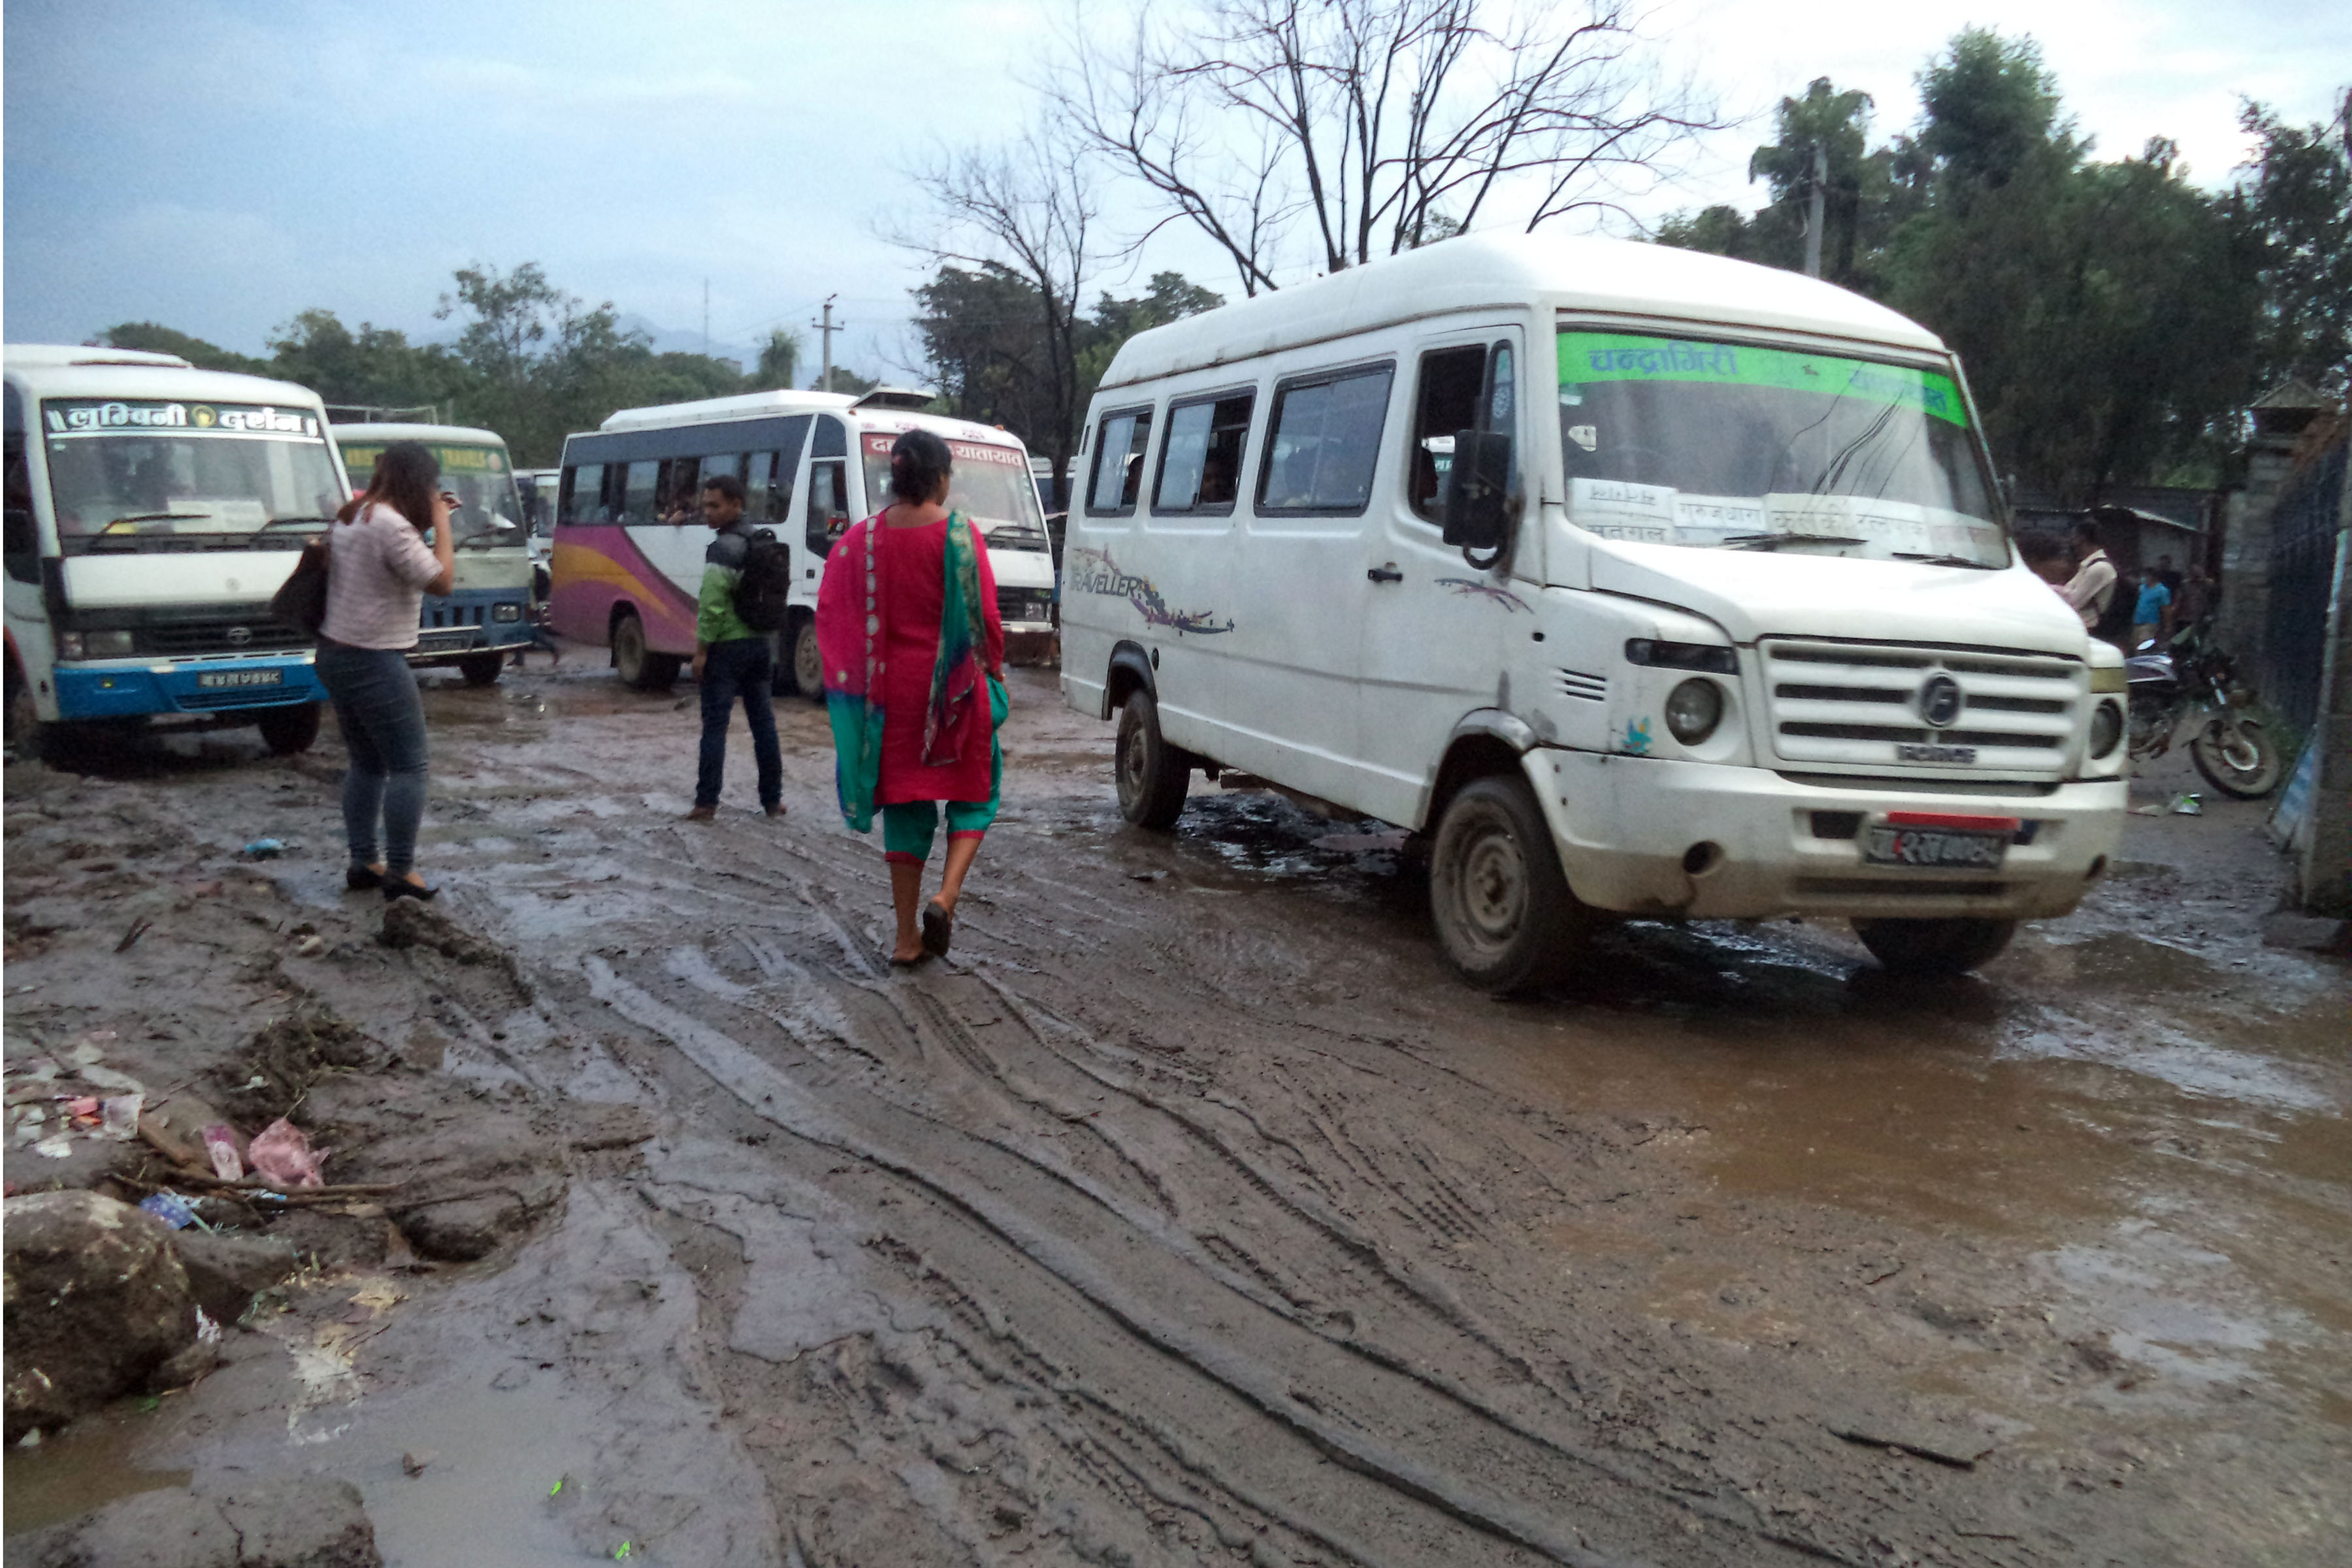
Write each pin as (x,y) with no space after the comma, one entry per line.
(280,1153)
(220,1142)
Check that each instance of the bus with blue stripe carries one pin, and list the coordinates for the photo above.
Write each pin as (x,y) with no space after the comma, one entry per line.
(152,508)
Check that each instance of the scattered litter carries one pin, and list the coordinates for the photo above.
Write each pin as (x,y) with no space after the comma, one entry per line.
(207,1332)
(220,1144)
(620,1552)
(87,1051)
(119,1117)
(171,1208)
(281,1154)
(137,928)
(2187,805)
(311,946)
(31,1439)
(1145,876)
(263,849)
(107,1077)
(54,1147)
(414,1463)
(557,1485)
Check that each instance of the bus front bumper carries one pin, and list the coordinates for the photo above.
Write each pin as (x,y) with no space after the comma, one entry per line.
(1659,837)
(130,689)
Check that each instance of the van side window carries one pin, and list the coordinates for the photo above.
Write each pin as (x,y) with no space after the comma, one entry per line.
(1200,457)
(581,499)
(1119,463)
(1324,441)
(1471,388)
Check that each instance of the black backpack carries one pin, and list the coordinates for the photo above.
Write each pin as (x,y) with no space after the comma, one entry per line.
(761,590)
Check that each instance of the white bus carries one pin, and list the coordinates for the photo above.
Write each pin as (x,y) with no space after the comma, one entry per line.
(629,535)
(152,510)
(485,616)
(1643,582)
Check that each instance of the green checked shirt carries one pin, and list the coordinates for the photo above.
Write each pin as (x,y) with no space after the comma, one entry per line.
(715,620)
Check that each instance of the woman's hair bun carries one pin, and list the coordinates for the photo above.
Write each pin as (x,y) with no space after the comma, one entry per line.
(919,461)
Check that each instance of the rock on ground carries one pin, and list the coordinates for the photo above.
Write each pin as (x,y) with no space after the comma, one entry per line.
(226,1272)
(96,1302)
(306,1522)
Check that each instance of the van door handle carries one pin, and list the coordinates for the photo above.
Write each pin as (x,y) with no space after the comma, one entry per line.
(1385,574)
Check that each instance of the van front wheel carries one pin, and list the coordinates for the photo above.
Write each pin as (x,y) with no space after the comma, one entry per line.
(1504,913)
(1933,950)
(1152,774)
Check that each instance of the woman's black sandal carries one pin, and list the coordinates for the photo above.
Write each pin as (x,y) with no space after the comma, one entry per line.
(398,888)
(360,879)
(938,929)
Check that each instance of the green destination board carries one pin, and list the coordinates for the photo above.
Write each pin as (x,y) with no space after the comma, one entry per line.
(1589,357)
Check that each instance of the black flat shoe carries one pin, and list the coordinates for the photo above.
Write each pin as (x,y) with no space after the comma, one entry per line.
(398,888)
(915,963)
(938,929)
(360,879)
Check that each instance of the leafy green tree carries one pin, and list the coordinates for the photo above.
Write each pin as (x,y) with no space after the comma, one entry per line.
(778,356)
(1169,297)
(2297,203)
(373,367)
(153,338)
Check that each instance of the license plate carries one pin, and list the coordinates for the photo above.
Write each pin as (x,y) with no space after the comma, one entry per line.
(1976,847)
(213,680)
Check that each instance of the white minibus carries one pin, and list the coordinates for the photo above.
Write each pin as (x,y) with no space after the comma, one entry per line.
(629,535)
(485,618)
(152,510)
(1638,582)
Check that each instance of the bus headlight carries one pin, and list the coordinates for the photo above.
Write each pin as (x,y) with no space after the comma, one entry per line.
(2107,729)
(506,611)
(1692,711)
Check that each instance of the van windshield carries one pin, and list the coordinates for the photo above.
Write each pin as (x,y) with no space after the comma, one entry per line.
(490,512)
(1735,446)
(988,483)
(122,470)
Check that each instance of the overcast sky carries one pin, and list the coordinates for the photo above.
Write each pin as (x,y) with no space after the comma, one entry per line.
(217,167)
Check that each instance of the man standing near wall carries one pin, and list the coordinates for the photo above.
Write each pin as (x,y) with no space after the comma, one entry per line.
(730,658)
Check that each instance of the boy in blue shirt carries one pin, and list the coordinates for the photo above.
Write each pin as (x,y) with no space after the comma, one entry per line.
(2153,610)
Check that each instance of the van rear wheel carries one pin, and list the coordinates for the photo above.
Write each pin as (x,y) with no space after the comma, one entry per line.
(1505,916)
(1152,774)
(1933,950)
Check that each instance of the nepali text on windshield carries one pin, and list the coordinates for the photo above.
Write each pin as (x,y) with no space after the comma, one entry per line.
(122,470)
(1727,446)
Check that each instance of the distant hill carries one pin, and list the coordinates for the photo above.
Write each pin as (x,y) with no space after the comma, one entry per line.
(675,340)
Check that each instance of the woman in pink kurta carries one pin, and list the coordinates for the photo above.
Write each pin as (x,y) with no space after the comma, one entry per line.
(907,625)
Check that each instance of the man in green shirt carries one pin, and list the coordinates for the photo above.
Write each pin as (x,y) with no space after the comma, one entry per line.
(730,658)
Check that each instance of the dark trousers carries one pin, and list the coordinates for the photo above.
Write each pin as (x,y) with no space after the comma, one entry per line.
(383,720)
(745,668)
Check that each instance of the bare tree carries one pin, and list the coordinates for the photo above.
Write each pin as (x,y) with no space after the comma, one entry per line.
(1373,125)
(1027,208)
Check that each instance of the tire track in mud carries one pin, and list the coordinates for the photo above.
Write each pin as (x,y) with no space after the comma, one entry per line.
(1173,1303)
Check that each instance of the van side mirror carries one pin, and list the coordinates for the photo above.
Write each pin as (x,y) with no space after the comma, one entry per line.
(1477,491)
(22,546)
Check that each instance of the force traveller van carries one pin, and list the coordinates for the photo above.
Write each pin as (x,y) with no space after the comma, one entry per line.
(1637,581)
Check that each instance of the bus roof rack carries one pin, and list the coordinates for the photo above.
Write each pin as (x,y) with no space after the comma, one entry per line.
(56,354)
(903,397)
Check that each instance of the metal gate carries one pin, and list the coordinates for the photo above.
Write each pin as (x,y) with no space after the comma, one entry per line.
(2303,570)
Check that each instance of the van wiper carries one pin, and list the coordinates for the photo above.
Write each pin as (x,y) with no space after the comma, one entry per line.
(1774,541)
(295,522)
(156,517)
(1933,560)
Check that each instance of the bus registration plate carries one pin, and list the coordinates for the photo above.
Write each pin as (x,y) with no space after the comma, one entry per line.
(1927,839)
(212,680)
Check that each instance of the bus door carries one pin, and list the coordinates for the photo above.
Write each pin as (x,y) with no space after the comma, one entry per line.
(827,512)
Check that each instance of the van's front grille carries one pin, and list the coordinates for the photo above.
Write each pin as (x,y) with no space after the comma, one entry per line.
(1590,688)
(1878,706)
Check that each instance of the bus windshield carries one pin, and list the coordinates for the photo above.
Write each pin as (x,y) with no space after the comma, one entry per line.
(1733,446)
(988,483)
(124,470)
(489,508)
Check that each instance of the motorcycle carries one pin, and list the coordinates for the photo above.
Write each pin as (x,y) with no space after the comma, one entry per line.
(2231,747)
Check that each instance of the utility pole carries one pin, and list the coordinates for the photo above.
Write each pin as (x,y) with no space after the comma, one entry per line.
(828,327)
(1815,211)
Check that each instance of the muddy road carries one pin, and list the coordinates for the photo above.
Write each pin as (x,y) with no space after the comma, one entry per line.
(1191,1213)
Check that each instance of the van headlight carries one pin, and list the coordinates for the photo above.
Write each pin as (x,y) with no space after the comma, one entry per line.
(108,645)
(2107,729)
(1692,711)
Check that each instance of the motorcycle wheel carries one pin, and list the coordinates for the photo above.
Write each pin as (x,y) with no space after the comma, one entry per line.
(2237,756)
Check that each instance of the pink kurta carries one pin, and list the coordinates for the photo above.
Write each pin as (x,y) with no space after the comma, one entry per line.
(912,564)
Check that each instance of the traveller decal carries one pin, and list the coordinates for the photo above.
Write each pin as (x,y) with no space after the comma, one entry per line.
(1094,572)
(1637,737)
(1470,587)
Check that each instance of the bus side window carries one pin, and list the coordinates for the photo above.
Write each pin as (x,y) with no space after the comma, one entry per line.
(640,483)
(581,499)
(759,487)
(678,495)
(828,505)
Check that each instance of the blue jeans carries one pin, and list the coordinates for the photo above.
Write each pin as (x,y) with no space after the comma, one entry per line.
(743,667)
(383,720)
